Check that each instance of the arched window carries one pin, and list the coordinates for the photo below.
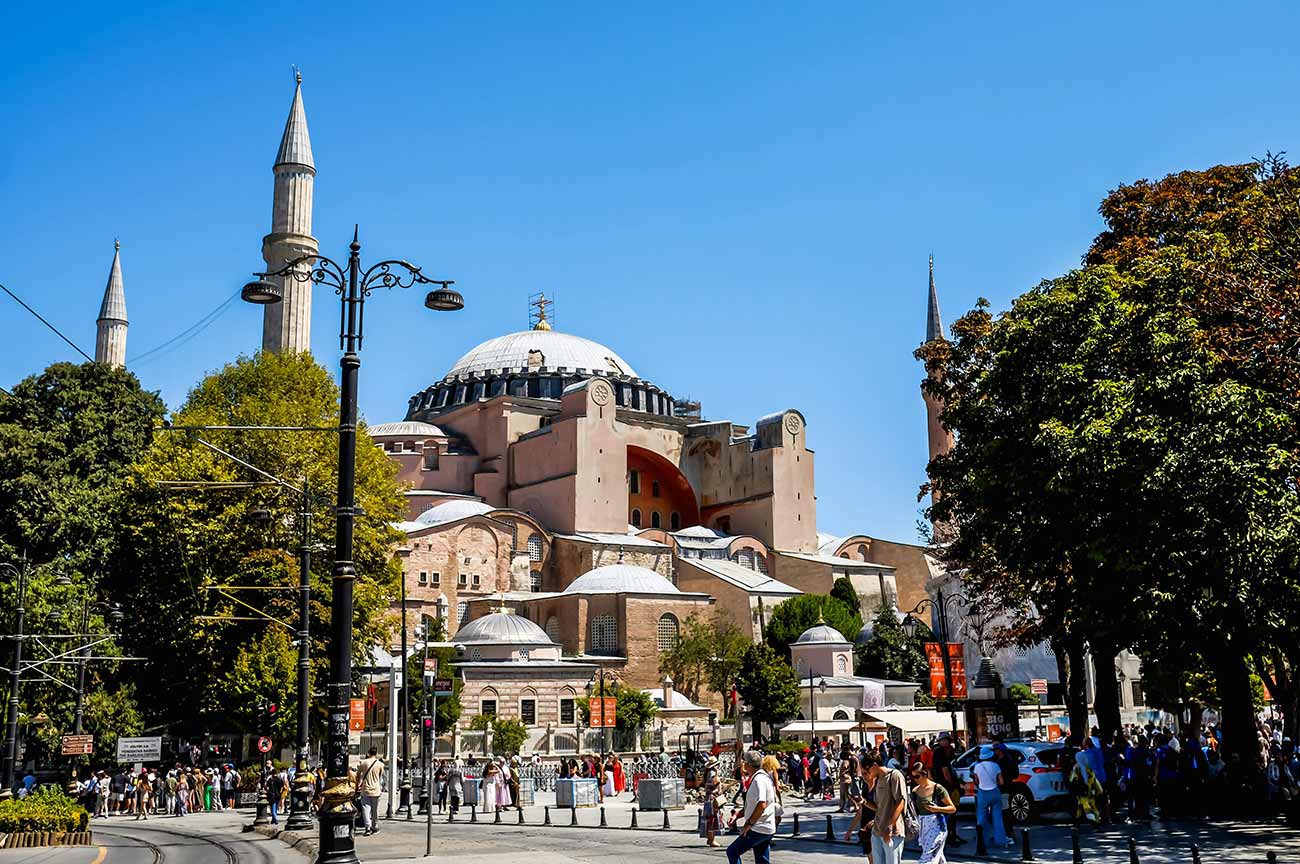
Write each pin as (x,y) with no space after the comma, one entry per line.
(841,665)
(487,702)
(745,558)
(535,581)
(654,488)
(553,629)
(761,560)
(461,608)
(675,521)
(604,635)
(654,519)
(669,631)
(636,517)
(862,553)
(840,715)
(535,547)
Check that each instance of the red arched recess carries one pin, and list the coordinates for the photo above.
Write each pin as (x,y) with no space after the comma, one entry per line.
(654,472)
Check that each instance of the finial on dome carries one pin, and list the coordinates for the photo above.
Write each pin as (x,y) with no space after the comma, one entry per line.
(620,554)
(820,618)
(117,244)
(540,302)
(297,74)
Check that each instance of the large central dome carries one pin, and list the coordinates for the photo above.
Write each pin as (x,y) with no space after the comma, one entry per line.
(538,348)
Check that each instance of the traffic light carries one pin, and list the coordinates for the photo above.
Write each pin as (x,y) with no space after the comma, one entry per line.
(426,728)
(266,717)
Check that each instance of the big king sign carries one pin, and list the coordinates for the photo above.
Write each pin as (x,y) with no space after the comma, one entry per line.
(957,662)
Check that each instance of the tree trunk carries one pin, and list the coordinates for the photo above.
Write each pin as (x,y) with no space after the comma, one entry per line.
(1232,677)
(1106,700)
(1076,685)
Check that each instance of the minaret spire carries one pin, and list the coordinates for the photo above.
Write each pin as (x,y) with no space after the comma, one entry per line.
(933,323)
(939,438)
(286,326)
(110,335)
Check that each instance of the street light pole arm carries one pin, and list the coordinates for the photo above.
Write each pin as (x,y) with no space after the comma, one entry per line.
(382,275)
(322,270)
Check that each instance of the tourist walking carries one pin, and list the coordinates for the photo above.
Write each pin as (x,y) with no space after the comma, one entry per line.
(988,797)
(455,784)
(490,788)
(933,808)
(711,817)
(758,822)
(370,785)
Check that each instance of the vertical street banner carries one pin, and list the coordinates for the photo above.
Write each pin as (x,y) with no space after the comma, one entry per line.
(356,715)
(603,711)
(956,660)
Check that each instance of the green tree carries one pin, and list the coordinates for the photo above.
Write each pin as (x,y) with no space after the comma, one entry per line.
(633,709)
(449,707)
(1022,695)
(890,654)
(263,672)
(768,686)
(844,591)
(508,735)
(792,617)
(706,656)
(193,530)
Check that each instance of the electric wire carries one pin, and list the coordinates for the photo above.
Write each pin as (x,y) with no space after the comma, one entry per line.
(187,334)
(39,317)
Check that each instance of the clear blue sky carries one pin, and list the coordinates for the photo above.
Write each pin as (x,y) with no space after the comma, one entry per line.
(737,197)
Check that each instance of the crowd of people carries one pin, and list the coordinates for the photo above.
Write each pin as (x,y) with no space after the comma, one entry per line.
(177,791)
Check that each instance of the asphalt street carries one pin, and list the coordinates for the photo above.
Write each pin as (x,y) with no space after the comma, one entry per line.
(197,840)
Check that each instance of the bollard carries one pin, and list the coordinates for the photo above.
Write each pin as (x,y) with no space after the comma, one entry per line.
(521,815)
(547,812)
(1133,851)
(794,829)
(496,816)
(451,815)
(1026,854)
(1077,853)
(1272,857)
(830,830)
(633,825)
(980,848)
(473,812)
(603,823)
(573,817)
(1196,854)
(665,820)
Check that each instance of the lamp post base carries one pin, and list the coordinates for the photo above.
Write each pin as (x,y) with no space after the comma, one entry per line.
(300,812)
(338,820)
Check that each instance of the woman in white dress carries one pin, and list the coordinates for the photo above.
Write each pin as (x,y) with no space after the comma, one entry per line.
(607,777)
(490,791)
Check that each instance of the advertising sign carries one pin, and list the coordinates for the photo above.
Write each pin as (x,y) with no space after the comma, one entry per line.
(356,715)
(603,711)
(78,745)
(131,750)
(957,662)
(990,720)
(442,687)
(1038,686)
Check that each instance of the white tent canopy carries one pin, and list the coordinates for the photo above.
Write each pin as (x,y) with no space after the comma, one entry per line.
(921,722)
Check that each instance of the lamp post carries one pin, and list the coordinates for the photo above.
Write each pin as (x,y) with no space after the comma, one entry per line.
(940,605)
(300,804)
(115,616)
(353,286)
(11,721)
(404,719)
(591,685)
(812,705)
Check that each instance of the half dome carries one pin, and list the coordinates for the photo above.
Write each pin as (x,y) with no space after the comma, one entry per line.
(450,511)
(538,348)
(502,628)
(403,427)
(621,579)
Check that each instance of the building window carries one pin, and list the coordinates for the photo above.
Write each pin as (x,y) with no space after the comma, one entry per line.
(475,655)
(841,665)
(535,547)
(463,580)
(430,458)
(634,482)
(461,608)
(488,708)
(424,578)
(745,558)
(604,635)
(566,712)
(435,579)
(668,632)
(840,715)
(1139,698)
(636,518)
(535,581)
(528,711)
(523,654)
(654,519)
(654,489)
(675,521)
(474,580)
(553,629)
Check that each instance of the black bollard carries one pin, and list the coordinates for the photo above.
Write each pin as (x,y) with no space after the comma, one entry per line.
(665,820)
(1272,857)
(1196,854)
(794,829)
(603,823)
(633,825)
(496,816)
(451,815)
(1026,854)
(547,815)
(573,817)
(1074,845)
(980,848)
(473,812)
(1133,851)
(521,815)
(830,830)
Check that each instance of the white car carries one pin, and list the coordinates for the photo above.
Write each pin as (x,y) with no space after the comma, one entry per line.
(1041,779)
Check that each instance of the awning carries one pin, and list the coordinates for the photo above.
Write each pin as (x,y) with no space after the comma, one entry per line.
(918,722)
(827,726)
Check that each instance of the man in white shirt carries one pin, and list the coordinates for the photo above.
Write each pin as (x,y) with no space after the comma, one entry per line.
(988,797)
(759,823)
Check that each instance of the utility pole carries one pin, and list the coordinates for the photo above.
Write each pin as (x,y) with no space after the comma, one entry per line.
(11,724)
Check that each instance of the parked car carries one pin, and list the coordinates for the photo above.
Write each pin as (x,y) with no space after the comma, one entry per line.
(1041,780)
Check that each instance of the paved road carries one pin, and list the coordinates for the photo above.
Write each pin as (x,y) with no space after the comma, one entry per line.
(205,839)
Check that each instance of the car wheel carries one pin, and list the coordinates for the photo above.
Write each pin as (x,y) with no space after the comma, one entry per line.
(1021,804)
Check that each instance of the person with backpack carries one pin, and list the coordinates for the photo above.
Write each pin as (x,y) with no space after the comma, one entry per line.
(889,827)
(933,807)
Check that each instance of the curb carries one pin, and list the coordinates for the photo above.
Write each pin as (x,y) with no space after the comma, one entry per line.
(307,844)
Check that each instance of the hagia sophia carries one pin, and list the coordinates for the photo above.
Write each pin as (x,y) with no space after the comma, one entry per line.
(566,515)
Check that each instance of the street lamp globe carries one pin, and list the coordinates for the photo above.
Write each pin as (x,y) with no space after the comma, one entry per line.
(591,685)
(909,627)
(444,299)
(261,292)
(821,685)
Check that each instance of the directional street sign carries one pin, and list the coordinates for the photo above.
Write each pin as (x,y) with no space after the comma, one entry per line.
(78,745)
(442,687)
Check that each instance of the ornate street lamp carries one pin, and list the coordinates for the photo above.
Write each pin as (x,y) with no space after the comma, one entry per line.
(939,604)
(353,286)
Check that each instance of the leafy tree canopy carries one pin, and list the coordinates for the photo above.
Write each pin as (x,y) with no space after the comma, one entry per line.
(792,617)
(706,656)
(890,654)
(768,685)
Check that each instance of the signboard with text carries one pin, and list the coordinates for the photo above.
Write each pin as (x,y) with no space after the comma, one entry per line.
(938,679)
(1038,686)
(132,750)
(442,687)
(356,715)
(78,745)
(988,721)
(603,711)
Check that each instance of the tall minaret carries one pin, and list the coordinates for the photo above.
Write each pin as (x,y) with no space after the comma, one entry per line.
(940,438)
(286,326)
(110,338)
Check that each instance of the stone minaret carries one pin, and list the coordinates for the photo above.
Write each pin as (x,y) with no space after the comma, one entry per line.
(286,326)
(110,338)
(940,438)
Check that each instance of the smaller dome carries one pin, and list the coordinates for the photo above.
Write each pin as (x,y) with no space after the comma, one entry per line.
(621,579)
(821,633)
(450,511)
(404,427)
(502,628)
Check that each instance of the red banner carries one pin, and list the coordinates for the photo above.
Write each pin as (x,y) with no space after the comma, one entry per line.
(957,662)
(603,711)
